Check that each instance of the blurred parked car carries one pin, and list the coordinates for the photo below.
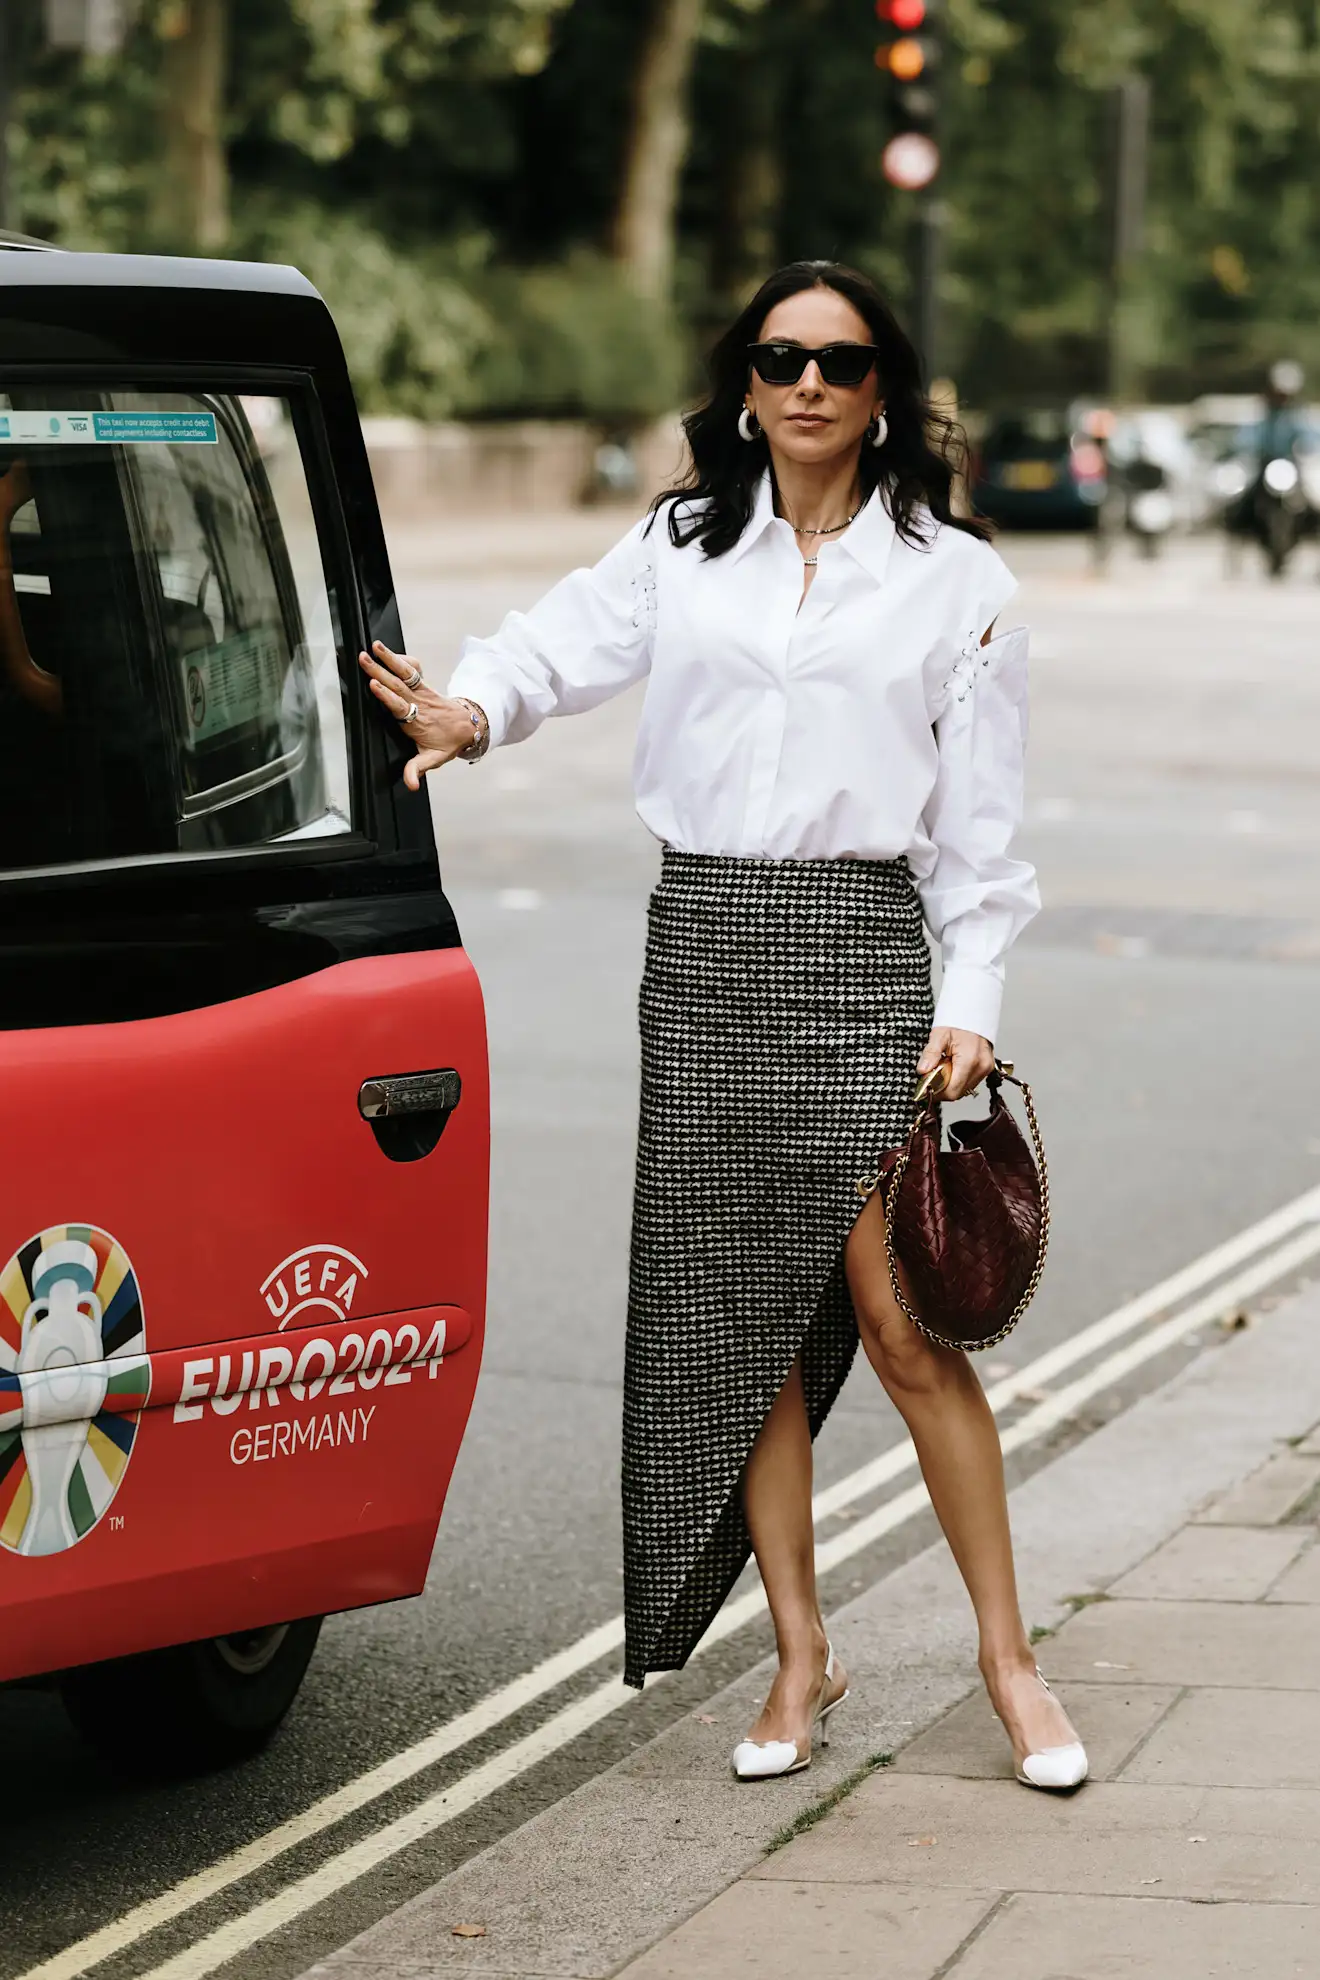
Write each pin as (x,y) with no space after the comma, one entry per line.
(1038,468)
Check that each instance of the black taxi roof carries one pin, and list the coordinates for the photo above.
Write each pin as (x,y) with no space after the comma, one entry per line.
(53,267)
(63,307)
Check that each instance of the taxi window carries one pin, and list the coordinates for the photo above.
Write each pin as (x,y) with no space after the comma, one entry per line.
(169,671)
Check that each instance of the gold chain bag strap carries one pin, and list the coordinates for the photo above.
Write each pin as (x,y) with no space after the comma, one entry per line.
(969,1227)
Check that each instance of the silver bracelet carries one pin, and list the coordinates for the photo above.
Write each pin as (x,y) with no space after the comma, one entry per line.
(480,742)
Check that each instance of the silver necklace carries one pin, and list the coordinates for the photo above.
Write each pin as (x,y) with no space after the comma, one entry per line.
(810,563)
(831,529)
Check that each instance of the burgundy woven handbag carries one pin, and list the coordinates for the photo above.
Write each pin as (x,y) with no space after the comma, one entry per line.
(969,1225)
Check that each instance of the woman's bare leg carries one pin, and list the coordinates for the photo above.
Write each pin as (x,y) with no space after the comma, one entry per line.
(777,1502)
(957,1441)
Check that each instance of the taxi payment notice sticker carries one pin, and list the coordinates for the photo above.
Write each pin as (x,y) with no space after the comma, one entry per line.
(113,429)
(237,681)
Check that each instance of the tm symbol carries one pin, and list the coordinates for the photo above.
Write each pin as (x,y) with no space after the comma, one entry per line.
(116,1522)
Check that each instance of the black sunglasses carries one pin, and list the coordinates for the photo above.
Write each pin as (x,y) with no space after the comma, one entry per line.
(838,364)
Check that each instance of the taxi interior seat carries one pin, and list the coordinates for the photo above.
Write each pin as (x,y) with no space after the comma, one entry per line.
(94,781)
(30,735)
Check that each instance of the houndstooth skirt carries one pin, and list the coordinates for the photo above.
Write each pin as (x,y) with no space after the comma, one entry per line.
(784,1005)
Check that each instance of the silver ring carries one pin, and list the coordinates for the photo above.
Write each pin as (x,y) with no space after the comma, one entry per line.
(414,679)
(411,716)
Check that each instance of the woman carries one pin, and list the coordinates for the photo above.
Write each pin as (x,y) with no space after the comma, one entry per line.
(830,745)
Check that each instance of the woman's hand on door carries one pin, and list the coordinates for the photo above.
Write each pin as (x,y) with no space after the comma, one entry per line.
(968,1056)
(440,730)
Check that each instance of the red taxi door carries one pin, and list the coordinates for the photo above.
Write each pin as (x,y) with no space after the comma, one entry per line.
(243,1087)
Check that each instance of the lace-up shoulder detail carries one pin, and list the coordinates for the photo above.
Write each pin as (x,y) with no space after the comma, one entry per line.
(644,597)
(961,678)
(976,663)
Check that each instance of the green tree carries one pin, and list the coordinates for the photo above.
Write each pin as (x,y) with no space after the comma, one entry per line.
(498,197)
(1235,93)
(192,186)
(645,217)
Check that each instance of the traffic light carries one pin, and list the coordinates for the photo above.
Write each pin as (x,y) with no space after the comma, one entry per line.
(911,158)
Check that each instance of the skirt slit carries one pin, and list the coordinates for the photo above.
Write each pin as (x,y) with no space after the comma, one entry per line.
(784,1005)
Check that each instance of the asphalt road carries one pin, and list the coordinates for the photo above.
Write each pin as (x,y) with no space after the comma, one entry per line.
(1163,1007)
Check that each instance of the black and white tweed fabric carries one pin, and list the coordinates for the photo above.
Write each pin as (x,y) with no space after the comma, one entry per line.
(783,1008)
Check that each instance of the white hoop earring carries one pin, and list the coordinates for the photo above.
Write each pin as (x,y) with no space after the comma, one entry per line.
(879,430)
(747,426)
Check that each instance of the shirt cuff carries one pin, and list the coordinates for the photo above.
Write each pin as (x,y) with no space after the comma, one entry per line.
(970,998)
(497,698)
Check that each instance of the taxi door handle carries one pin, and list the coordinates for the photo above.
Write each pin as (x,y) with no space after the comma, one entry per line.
(409,1093)
(408,1112)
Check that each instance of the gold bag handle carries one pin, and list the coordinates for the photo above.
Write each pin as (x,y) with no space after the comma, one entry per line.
(932,1085)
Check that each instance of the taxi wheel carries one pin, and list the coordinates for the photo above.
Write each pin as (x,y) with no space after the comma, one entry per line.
(198,1705)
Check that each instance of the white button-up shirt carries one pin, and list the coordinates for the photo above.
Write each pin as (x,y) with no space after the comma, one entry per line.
(865,721)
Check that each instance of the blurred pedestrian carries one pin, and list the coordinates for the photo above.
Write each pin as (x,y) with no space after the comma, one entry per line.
(1281,429)
(1100,430)
(1275,507)
(830,747)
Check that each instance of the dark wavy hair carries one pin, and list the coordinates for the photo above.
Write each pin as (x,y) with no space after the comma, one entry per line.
(914,470)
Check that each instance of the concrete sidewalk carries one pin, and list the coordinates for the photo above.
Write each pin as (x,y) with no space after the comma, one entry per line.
(1192,1851)
(1170,1557)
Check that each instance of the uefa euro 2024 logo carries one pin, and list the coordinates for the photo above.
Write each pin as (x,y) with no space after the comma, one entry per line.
(74,1379)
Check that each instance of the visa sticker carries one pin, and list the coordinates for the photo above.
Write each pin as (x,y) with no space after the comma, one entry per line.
(111,429)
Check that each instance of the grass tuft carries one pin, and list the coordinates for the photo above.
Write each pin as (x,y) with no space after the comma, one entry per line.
(819,1809)
(1039,1633)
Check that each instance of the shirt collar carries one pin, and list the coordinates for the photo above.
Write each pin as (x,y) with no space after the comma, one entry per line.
(868,541)
(763,514)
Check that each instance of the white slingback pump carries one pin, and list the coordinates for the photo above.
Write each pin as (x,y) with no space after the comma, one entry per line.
(763,1760)
(1056,1767)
